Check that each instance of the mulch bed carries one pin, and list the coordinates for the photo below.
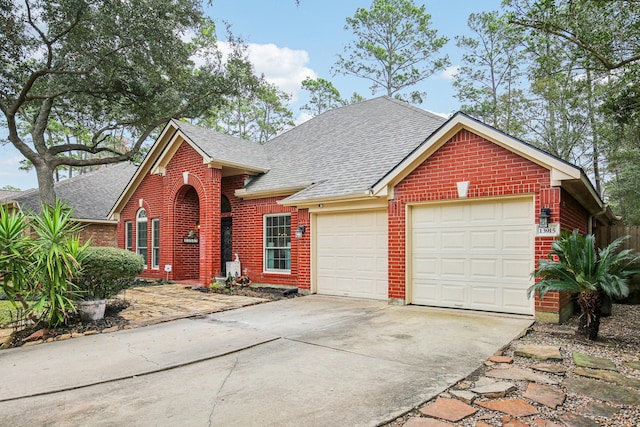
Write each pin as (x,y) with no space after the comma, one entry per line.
(112,319)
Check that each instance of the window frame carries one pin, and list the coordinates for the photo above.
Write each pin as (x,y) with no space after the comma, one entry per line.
(155,243)
(142,224)
(128,235)
(267,248)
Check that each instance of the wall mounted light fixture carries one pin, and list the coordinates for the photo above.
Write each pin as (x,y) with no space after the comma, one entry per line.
(300,231)
(545,215)
(463,188)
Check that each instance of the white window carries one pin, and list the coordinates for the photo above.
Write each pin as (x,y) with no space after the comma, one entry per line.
(277,243)
(128,235)
(141,234)
(155,243)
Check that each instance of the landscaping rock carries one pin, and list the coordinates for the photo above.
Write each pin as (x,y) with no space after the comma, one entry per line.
(539,422)
(463,395)
(575,420)
(539,352)
(425,422)
(495,390)
(633,365)
(545,394)
(520,374)
(512,422)
(598,410)
(602,391)
(448,409)
(593,362)
(513,407)
(550,368)
(612,377)
(501,359)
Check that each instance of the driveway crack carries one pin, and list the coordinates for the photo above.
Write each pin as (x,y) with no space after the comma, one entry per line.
(217,396)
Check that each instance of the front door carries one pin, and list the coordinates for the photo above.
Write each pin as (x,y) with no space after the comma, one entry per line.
(227,245)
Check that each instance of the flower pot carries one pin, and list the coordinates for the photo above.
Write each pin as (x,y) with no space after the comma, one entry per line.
(92,310)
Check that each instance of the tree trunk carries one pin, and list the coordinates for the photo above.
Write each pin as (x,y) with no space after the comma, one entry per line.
(45,183)
(590,303)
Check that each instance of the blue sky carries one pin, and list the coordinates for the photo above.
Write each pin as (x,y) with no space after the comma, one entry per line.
(289,43)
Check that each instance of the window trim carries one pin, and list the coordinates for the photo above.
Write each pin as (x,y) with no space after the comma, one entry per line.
(155,229)
(267,248)
(139,221)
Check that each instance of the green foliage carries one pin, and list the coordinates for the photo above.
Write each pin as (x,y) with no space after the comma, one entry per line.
(395,48)
(488,82)
(253,109)
(323,96)
(574,265)
(15,253)
(58,256)
(78,75)
(106,271)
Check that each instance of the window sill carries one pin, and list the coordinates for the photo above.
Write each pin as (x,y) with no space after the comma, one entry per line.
(278,272)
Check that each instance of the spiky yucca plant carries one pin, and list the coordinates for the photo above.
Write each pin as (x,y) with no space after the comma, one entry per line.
(576,266)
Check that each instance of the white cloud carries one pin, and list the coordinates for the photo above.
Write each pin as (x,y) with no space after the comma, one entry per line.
(281,66)
(450,72)
(284,67)
(302,117)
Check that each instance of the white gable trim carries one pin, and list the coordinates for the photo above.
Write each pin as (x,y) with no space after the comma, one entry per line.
(560,170)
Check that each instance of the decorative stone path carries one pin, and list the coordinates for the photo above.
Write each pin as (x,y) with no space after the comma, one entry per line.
(593,377)
(586,361)
(539,352)
(448,409)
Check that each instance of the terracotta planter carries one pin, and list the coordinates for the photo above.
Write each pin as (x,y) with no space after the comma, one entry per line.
(92,310)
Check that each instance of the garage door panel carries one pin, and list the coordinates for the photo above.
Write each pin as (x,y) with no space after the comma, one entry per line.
(484,268)
(473,254)
(516,269)
(453,268)
(425,240)
(453,240)
(517,239)
(351,254)
(453,294)
(484,240)
(484,296)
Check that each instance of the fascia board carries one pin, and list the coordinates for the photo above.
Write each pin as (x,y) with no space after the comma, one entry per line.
(167,135)
(560,170)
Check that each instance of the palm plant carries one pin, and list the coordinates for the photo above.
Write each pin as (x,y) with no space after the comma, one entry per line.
(58,257)
(15,255)
(576,266)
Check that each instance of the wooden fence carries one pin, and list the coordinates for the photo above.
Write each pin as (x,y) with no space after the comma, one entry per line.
(606,235)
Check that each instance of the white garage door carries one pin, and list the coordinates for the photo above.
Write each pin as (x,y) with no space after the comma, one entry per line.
(351,254)
(474,255)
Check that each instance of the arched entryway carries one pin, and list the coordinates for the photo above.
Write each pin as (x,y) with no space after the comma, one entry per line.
(186,243)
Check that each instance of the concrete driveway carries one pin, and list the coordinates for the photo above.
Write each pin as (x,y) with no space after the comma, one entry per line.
(312,361)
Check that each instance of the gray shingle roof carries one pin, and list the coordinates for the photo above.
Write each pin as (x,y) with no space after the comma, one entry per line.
(226,148)
(91,195)
(345,151)
(8,194)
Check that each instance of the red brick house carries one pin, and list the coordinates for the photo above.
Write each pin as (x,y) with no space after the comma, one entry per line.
(376,200)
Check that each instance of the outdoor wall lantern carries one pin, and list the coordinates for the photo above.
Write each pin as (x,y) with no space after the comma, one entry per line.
(545,215)
(300,231)
(198,225)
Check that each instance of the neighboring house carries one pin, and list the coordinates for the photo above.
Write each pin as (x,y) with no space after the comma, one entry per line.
(91,196)
(360,201)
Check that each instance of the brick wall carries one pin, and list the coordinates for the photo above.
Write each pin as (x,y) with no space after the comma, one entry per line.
(100,234)
(179,206)
(492,170)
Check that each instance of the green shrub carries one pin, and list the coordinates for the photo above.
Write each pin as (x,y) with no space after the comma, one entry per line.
(106,271)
